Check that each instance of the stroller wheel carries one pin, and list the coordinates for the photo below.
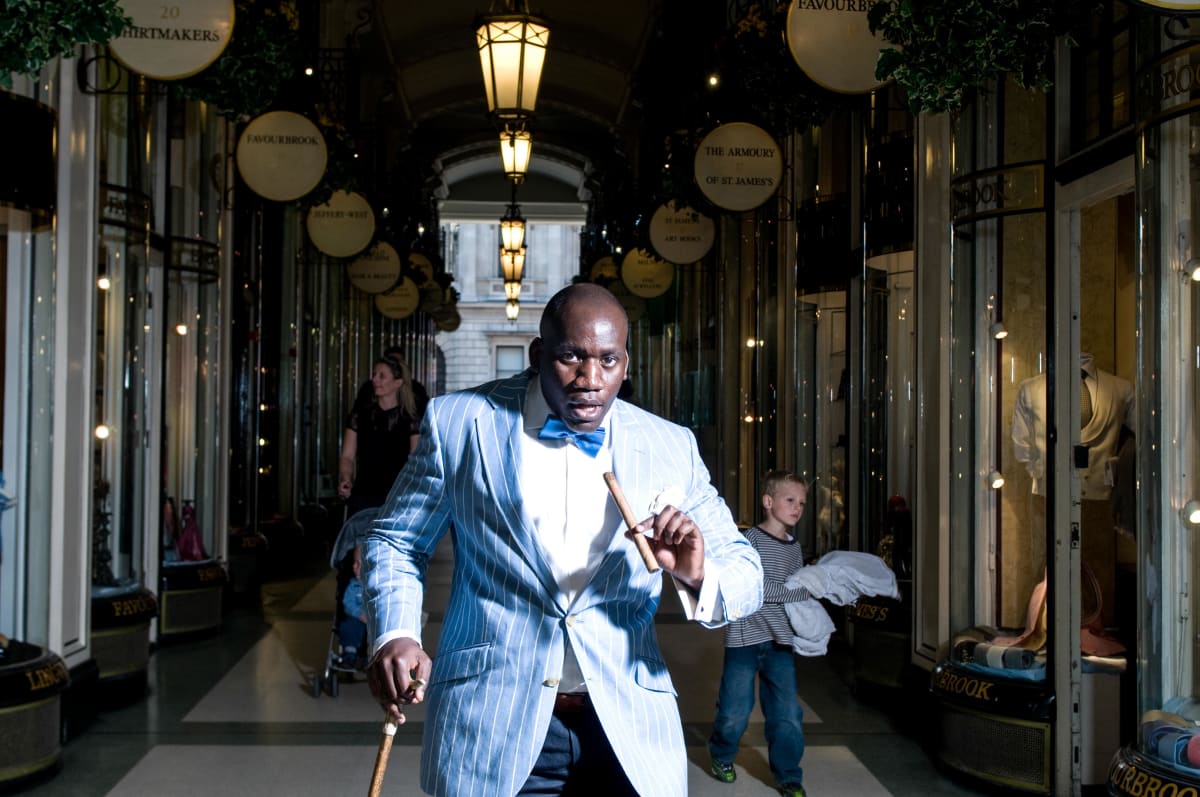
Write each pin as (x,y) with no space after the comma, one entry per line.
(333,686)
(316,684)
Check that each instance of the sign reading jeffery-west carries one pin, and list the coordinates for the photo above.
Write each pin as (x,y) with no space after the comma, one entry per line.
(343,226)
(833,44)
(169,41)
(998,192)
(738,166)
(281,155)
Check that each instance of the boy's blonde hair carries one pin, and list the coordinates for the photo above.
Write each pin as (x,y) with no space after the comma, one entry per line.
(777,478)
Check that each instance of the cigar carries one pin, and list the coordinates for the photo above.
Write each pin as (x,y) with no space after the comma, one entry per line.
(643,545)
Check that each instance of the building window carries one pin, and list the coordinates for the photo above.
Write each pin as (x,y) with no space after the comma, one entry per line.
(510,360)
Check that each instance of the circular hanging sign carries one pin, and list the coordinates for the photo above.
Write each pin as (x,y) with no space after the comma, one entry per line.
(377,270)
(169,41)
(1170,5)
(604,269)
(447,318)
(680,234)
(281,155)
(833,44)
(646,275)
(343,226)
(738,166)
(399,302)
(421,263)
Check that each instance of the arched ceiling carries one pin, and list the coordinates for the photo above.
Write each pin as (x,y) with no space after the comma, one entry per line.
(421,75)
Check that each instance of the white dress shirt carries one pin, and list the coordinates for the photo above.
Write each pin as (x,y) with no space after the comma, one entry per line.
(576,518)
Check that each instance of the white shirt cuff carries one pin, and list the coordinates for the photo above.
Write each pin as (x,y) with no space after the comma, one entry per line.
(383,639)
(706,608)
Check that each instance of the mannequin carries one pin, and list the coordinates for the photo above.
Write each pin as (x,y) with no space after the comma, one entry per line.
(1111,423)
(1112,400)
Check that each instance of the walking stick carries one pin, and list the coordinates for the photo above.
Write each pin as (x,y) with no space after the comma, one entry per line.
(631,522)
(381,758)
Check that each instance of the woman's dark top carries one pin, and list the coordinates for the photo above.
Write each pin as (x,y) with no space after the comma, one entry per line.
(381,449)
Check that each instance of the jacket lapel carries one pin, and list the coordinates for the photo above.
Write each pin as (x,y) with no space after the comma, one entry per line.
(498,439)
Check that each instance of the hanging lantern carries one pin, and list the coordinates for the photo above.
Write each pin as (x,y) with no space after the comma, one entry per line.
(512,264)
(512,308)
(512,229)
(512,50)
(512,290)
(515,148)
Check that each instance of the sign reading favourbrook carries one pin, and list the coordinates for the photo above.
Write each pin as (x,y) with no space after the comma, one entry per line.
(833,44)
(281,155)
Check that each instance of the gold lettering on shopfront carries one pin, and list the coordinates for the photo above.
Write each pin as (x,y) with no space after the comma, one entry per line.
(45,677)
(976,688)
(1137,783)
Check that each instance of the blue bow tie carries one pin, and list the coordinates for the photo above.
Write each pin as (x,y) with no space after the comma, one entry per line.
(587,442)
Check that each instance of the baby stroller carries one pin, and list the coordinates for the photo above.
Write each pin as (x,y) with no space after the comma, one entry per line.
(348,637)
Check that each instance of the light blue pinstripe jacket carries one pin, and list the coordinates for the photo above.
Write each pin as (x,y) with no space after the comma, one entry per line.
(492,689)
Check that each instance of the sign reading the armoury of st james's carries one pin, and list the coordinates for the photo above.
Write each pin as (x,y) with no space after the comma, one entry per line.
(646,275)
(343,226)
(833,44)
(680,234)
(281,155)
(399,302)
(738,166)
(170,41)
(377,270)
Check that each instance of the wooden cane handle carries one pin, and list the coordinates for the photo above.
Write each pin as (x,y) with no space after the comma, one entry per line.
(643,545)
(381,758)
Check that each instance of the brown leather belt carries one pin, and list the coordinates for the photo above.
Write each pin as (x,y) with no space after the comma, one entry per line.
(567,703)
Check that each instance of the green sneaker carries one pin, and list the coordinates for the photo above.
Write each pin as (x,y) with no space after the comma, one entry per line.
(722,771)
(792,790)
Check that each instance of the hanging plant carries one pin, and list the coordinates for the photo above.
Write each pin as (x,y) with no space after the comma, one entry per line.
(767,87)
(945,49)
(34,32)
(262,55)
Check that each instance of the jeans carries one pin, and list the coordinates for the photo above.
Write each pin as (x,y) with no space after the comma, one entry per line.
(776,670)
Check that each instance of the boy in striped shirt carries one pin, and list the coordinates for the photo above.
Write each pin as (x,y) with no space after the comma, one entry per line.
(760,645)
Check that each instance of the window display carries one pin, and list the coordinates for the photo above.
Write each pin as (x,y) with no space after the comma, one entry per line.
(1164,749)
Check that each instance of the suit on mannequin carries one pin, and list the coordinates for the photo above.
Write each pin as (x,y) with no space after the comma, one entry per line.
(1112,401)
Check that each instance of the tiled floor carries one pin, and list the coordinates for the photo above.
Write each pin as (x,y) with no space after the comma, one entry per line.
(233,714)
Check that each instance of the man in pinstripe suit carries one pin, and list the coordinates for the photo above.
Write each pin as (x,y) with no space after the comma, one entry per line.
(548,678)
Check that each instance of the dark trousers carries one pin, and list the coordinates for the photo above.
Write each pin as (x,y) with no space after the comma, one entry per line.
(576,758)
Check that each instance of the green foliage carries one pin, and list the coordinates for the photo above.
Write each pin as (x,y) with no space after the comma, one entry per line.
(34,32)
(944,49)
(263,54)
(766,85)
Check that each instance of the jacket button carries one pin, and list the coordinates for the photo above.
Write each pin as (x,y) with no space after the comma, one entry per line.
(551,682)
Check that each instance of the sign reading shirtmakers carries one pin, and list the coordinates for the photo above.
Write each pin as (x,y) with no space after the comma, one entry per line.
(833,44)
(169,41)
(738,166)
(343,226)
(281,155)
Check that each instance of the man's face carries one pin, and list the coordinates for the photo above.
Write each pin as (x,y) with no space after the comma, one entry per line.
(582,364)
